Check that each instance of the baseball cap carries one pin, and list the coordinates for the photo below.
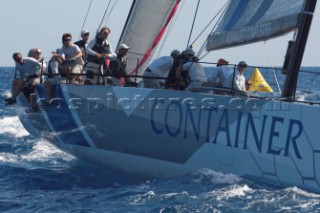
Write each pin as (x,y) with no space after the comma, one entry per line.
(242,64)
(175,53)
(189,51)
(123,46)
(83,32)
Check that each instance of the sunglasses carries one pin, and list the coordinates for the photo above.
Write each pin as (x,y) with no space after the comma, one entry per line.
(38,53)
(67,39)
(18,59)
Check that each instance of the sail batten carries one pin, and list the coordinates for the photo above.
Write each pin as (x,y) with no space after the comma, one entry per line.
(249,21)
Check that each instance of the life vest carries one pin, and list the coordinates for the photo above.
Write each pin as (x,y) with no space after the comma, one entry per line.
(118,67)
(100,47)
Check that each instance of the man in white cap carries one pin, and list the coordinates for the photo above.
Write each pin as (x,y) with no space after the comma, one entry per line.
(118,65)
(157,71)
(83,43)
(238,79)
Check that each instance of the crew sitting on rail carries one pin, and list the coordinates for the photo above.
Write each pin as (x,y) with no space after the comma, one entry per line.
(27,69)
(36,54)
(54,76)
(71,57)
(99,53)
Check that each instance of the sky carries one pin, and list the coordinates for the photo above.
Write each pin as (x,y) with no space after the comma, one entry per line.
(27,24)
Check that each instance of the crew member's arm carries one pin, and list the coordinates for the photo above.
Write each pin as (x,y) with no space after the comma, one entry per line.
(36,66)
(215,75)
(79,53)
(58,56)
(111,55)
(92,52)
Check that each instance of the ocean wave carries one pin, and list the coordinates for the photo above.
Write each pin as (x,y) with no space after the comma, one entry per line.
(12,126)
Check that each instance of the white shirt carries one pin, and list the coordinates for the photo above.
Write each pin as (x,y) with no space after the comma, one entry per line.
(71,52)
(29,67)
(239,82)
(195,71)
(221,75)
(43,63)
(161,66)
(91,44)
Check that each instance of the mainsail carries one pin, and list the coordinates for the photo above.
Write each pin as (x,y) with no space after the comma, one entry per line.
(145,26)
(248,21)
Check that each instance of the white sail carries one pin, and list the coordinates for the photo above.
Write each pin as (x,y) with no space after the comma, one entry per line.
(248,21)
(145,24)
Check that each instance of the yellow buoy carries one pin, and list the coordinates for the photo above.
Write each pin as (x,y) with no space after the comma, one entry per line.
(259,84)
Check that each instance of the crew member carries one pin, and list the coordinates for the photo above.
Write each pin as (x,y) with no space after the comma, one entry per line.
(99,51)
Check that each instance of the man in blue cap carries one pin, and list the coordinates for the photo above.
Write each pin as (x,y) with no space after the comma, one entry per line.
(238,79)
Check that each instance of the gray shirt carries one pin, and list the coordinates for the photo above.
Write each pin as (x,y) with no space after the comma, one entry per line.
(29,68)
(195,71)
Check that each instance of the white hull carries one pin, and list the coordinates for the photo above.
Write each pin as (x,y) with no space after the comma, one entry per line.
(158,133)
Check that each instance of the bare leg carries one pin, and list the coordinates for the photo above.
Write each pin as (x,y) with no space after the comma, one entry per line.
(48,90)
(14,85)
(17,86)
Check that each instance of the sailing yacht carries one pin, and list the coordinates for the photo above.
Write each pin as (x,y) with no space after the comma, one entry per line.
(160,133)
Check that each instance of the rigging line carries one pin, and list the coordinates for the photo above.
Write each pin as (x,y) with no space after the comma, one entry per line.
(85,19)
(270,59)
(104,15)
(112,8)
(221,11)
(169,29)
(194,20)
(205,42)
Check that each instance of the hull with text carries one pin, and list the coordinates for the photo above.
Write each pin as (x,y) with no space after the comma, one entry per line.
(156,133)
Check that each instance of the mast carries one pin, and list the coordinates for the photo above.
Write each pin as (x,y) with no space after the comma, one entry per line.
(297,50)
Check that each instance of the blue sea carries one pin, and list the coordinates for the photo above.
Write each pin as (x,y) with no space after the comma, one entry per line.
(37,177)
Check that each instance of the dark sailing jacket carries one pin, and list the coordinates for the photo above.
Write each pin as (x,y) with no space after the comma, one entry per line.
(82,45)
(118,67)
(99,47)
